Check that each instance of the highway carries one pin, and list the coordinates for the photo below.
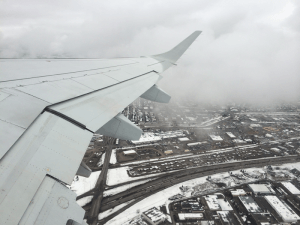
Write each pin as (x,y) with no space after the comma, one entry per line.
(142,191)
(92,216)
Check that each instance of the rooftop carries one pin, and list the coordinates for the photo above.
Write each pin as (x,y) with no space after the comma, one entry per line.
(292,189)
(260,188)
(285,212)
(216,138)
(250,204)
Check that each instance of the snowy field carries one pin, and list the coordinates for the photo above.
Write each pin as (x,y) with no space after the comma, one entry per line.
(113,158)
(84,201)
(111,211)
(85,184)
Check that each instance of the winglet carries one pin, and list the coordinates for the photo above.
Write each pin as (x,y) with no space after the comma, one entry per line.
(174,54)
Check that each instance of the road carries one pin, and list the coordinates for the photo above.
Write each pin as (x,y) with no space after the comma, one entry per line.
(92,216)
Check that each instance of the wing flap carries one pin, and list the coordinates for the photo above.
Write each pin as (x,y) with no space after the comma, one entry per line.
(53,203)
(96,109)
(49,146)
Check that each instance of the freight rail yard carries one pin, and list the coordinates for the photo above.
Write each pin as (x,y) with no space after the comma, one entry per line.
(184,143)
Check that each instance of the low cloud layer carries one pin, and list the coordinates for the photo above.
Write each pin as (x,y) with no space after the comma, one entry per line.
(249,50)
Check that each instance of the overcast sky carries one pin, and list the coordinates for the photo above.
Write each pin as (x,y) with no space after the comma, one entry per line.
(249,50)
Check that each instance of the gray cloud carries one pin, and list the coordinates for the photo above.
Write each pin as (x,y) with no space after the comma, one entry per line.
(248,51)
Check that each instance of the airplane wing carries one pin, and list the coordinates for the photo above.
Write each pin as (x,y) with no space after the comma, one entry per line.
(49,111)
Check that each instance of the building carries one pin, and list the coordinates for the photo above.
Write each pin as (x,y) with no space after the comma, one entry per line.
(275,149)
(217,202)
(154,216)
(183,139)
(238,192)
(216,138)
(168,152)
(239,141)
(250,205)
(261,189)
(190,216)
(253,125)
(285,212)
(212,202)
(195,143)
(224,204)
(291,188)
(227,218)
(129,152)
(147,137)
(230,135)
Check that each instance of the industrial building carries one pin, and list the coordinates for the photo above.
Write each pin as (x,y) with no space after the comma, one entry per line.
(168,152)
(154,216)
(261,189)
(183,139)
(216,138)
(291,188)
(238,192)
(187,216)
(285,212)
(230,135)
(129,152)
(250,205)
(196,143)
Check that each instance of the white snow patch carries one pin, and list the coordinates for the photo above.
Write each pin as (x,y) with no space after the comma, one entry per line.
(85,184)
(84,201)
(111,211)
(101,160)
(113,158)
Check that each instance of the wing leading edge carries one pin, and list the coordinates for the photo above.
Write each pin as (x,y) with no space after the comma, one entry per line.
(48,117)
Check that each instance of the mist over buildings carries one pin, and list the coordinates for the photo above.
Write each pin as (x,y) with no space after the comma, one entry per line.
(248,52)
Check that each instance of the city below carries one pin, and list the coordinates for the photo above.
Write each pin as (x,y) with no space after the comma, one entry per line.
(196,164)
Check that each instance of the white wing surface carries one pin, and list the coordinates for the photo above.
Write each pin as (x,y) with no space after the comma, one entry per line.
(49,110)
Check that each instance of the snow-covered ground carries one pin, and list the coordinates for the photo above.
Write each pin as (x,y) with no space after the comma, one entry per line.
(113,157)
(123,188)
(84,201)
(84,184)
(101,160)
(111,211)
